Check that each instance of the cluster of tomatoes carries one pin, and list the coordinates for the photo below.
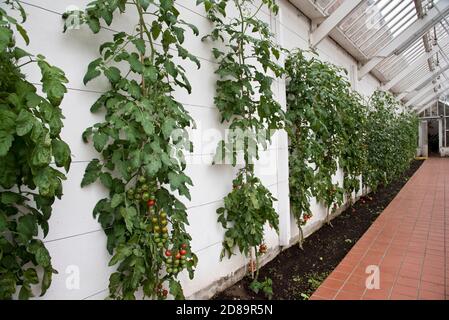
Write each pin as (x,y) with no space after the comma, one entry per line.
(162,292)
(176,260)
(306,217)
(160,230)
(144,191)
(263,248)
(252,267)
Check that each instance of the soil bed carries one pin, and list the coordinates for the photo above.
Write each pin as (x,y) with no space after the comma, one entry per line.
(296,273)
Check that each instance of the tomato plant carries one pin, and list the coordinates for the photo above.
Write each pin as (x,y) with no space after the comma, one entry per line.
(246,101)
(332,126)
(142,141)
(323,111)
(353,152)
(30,141)
(391,140)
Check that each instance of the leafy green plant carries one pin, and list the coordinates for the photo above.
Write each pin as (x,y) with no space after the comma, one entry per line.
(327,131)
(333,127)
(353,153)
(142,141)
(314,280)
(31,150)
(265,286)
(391,140)
(246,101)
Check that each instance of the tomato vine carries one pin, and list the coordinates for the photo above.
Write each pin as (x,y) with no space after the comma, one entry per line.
(323,111)
(246,101)
(30,151)
(333,127)
(142,141)
(391,139)
(353,153)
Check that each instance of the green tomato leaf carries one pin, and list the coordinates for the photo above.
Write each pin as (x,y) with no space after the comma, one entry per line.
(92,172)
(24,122)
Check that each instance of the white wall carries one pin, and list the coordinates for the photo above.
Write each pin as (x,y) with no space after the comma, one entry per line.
(75,238)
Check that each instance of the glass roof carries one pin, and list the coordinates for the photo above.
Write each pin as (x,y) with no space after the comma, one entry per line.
(374,24)
(329,6)
(377,23)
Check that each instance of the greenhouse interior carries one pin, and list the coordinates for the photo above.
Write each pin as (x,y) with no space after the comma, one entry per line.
(253,150)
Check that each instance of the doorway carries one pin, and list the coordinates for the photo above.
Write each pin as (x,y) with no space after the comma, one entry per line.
(433,137)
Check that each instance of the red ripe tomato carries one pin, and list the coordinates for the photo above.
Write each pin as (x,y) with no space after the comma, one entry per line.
(168,253)
(151,202)
(178,256)
(164,292)
(183,252)
(184,245)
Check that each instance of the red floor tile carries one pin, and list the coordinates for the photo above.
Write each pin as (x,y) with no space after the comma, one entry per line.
(406,242)
(429,295)
(343,295)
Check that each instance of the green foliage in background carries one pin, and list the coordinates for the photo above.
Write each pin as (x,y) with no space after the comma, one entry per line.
(327,123)
(391,139)
(334,128)
(31,150)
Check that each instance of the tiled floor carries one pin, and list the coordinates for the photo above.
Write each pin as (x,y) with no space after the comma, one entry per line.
(406,246)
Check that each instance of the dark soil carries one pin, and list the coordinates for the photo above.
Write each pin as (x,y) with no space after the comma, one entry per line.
(296,273)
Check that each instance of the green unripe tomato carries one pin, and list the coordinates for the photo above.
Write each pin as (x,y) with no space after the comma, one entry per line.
(154,220)
(157,240)
(160,245)
(175,270)
(165,235)
(157,228)
(176,262)
(169,270)
(163,215)
(169,260)
(144,187)
(183,258)
(152,197)
(145,196)
(130,191)
(139,190)
(142,179)
(137,196)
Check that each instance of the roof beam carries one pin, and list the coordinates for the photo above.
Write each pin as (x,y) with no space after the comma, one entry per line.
(408,36)
(332,21)
(419,8)
(426,106)
(404,73)
(435,94)
(423,81)
(422,93)
(426,103)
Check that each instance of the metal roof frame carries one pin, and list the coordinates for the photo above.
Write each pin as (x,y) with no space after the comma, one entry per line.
(402,47)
